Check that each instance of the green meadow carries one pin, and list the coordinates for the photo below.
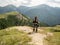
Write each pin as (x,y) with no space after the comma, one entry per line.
(13,37)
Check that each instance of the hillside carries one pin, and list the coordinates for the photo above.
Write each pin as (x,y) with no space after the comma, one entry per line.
(13,19)
(24,35)
(56,32)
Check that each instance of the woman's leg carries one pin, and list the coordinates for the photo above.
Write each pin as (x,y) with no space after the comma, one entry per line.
(33,29)
(36,29)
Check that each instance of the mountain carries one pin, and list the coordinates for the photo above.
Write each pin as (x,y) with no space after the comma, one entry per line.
(10,8)
(22,9)
(7,8)
(45,13)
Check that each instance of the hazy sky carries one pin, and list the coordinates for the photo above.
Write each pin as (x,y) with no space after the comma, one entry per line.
(54,3)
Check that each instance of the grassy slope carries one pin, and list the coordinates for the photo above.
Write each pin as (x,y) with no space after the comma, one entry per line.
(12,13)
(13,37)
(9,13)
(56,36)
(55,40)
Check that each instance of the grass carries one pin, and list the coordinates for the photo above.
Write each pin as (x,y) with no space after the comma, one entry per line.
(7,14)
(13,37)
(46,29)
(55,40)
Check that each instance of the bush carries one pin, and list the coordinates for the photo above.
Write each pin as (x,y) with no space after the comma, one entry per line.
(3,23)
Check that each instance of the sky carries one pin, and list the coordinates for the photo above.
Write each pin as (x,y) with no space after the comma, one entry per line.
(30,3)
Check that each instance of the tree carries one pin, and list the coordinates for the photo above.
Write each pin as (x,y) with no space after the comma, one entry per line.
(3,23)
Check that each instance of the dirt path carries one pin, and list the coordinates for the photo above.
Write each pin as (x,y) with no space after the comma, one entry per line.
(37,38)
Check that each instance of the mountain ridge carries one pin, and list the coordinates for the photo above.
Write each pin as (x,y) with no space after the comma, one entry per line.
(45,13)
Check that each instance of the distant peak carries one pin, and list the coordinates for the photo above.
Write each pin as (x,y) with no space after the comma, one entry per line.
(9,6)
(44,5)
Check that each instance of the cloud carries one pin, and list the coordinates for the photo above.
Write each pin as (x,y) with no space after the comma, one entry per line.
(26,2)
(30,2)
(37,2)
(54,1)
(6,2)
(14,2)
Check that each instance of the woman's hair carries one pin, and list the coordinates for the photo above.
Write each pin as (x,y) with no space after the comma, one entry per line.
(35,18)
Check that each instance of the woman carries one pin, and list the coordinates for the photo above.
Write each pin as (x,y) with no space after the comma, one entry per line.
(35,24)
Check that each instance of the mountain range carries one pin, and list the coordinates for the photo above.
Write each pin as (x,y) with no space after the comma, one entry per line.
(45,13)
